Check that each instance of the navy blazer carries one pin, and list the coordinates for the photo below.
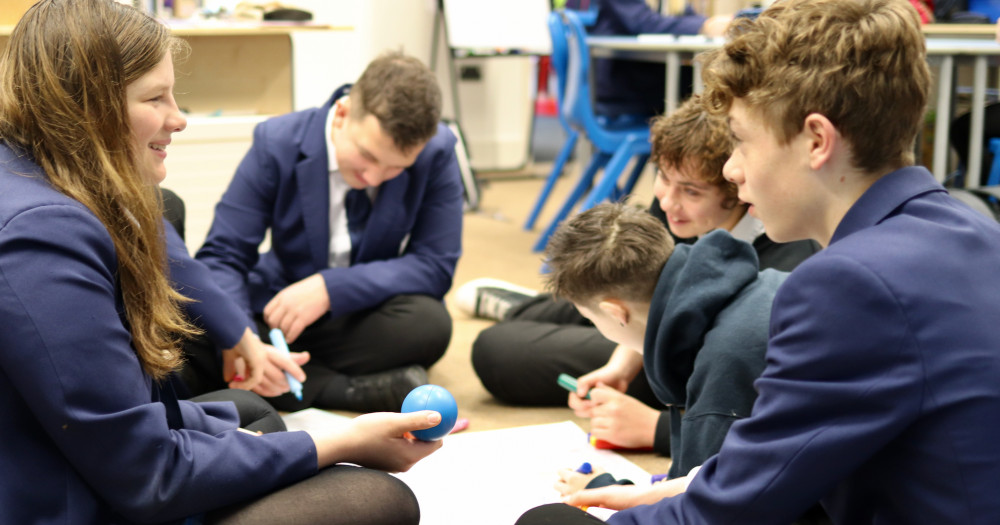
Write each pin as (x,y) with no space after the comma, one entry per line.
(211,309)
(411,243)
(881,395)
(84,432)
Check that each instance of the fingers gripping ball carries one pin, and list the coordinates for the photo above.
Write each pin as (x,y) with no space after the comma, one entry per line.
(438,399)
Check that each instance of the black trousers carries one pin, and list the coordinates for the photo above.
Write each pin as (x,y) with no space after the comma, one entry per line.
(556,514)
(405,330)
(255,413)
(519,359)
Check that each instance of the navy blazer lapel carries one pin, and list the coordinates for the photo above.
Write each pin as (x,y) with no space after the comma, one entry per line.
(385,218)
(312,176)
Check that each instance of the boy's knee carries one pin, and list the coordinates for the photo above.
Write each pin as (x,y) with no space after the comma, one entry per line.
(425,324)
(495,351)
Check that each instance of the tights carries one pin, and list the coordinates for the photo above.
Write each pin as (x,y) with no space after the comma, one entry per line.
(336,495)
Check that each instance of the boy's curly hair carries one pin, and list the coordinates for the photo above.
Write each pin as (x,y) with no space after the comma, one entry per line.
(860,63)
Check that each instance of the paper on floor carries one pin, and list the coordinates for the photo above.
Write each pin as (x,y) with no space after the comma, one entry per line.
(492,477)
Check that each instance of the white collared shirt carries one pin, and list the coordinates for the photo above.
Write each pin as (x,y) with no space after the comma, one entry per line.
(340,238)
(748,229)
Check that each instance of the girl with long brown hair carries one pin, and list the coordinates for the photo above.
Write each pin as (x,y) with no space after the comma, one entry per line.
(92,327)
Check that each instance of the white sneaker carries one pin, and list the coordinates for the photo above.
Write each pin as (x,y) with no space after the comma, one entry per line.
(490,298)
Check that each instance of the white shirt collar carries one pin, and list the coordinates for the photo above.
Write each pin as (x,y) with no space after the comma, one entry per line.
(748,229)
(331,151)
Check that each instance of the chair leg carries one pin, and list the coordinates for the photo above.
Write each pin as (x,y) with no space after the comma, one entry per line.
(620,192)
(616,165)
(550,182)
(640,164)
(598,160)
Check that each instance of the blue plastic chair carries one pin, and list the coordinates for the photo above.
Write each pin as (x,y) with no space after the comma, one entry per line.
(994,178)
(559,60)
(615,144)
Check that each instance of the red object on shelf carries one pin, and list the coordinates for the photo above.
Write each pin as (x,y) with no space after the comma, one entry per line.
(545,103)
(546,106)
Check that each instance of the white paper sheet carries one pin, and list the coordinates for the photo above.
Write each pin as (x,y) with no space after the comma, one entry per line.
(313,418)
(492,477)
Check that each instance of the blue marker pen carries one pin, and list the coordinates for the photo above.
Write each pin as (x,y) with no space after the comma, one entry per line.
(278,341)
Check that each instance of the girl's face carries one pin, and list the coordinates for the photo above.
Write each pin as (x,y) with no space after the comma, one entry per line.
(693,207)
(154,116)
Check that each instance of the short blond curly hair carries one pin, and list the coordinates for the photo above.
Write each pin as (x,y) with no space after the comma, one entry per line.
(860,63)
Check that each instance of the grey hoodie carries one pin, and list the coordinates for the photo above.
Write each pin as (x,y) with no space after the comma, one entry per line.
(705,341)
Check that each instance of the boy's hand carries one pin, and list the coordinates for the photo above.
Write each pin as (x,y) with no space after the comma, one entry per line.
(606,376)
(573,481)
(298,306)
(624,364)
(621,419)
(620,497)
(274,382)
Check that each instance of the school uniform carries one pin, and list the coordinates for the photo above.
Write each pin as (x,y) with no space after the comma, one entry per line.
(409,244)
(386,270)
(85,435)
(880,393)
(210,308)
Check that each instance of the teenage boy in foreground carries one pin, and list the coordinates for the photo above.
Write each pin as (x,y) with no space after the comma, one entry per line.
(880,395)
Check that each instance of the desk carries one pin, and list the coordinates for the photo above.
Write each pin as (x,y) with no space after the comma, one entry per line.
(942,51)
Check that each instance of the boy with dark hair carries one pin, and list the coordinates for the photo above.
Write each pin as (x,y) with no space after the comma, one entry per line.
(362,199)
(697,315)
(880,395)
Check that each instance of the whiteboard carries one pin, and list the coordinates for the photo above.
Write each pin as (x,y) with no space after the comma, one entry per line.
(498,25)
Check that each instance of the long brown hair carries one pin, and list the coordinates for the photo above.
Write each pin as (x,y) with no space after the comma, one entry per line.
(62,99)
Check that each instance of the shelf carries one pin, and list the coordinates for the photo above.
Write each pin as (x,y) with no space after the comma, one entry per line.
(244,68)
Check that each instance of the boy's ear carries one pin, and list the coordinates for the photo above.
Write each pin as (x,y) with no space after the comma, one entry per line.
(616,309)
(341,110)
(823,138)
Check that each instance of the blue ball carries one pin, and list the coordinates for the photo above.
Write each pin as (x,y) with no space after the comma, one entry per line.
(438,399)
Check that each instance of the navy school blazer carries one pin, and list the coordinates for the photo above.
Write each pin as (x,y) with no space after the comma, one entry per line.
(84,433)
(880,395)
(411,243)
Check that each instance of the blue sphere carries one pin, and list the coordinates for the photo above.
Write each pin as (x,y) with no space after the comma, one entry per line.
(438,399)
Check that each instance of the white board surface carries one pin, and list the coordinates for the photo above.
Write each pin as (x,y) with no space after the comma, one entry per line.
(498,26)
